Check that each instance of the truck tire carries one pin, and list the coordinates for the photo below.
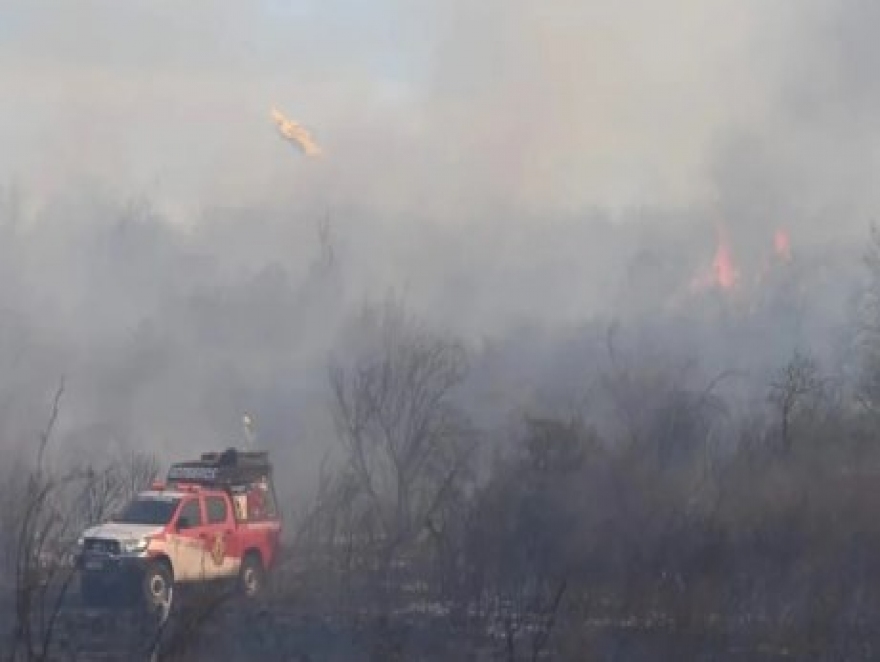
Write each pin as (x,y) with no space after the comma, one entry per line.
(91,592)
(252,576)
(157,586)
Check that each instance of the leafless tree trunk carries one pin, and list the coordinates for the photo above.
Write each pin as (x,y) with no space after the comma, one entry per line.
(43,549)
(798,380)
(405,442)
(49,509)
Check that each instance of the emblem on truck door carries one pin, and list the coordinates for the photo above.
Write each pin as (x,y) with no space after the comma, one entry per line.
(218,550)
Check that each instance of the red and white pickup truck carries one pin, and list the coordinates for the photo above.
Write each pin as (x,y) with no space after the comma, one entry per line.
(214,519)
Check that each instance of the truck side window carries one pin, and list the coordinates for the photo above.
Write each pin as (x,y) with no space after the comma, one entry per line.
(216,509)
(190,515)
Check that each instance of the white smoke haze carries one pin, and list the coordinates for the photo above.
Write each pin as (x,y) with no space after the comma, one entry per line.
(522,173)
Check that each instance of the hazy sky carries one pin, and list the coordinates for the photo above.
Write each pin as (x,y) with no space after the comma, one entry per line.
(501,162)
(446,105)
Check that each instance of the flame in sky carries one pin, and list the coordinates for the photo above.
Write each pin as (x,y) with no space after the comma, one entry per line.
(295,133)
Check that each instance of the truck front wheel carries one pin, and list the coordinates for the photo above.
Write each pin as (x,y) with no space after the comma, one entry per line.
(157,586)
(252,577)
(91,592)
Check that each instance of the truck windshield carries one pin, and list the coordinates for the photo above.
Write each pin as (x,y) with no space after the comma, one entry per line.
(148,511)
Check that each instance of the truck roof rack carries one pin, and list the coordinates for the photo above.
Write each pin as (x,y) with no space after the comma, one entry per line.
(235,457)
(223,469)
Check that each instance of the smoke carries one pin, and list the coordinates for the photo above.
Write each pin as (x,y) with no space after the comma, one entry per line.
(522,173)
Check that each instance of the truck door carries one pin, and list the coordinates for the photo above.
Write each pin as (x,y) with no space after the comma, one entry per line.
(187,543)
(222,552)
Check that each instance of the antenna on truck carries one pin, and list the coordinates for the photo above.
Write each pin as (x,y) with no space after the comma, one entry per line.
(249,436)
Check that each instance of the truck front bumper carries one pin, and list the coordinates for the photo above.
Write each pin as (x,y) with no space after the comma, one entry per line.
(112,571)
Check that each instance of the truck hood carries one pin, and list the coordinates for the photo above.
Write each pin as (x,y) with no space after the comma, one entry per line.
(122,531)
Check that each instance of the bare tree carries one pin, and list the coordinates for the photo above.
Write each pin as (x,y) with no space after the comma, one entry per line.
(405,442)
(664,406)
(48,509)
(100,497)
(108,489)
(43,550)
(520,539)
(797,381)
(137,471)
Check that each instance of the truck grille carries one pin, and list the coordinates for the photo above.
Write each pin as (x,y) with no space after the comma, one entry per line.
(101,546)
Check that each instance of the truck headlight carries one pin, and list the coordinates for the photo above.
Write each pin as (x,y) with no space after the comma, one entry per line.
(135,546)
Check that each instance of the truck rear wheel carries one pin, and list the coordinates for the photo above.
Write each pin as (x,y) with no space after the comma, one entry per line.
(157,586)
(252,576)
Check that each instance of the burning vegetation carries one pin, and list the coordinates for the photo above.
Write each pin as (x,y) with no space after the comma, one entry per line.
(724,274)
(605,423)
(689,506)
(782,245)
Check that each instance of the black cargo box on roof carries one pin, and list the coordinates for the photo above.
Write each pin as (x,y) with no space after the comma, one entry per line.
(228,468)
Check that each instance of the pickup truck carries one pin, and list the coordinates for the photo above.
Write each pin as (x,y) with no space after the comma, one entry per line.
(214,519)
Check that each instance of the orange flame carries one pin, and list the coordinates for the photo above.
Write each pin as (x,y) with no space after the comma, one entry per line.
(782,245)
(724,271)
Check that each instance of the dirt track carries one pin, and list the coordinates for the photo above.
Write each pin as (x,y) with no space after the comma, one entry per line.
(240,631)
(232,632)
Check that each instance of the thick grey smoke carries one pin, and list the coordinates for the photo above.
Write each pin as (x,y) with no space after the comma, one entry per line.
(522,173)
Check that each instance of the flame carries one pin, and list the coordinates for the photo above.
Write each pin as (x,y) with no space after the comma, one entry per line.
(296,133)
(782,245)
(723,273)
(723,268)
